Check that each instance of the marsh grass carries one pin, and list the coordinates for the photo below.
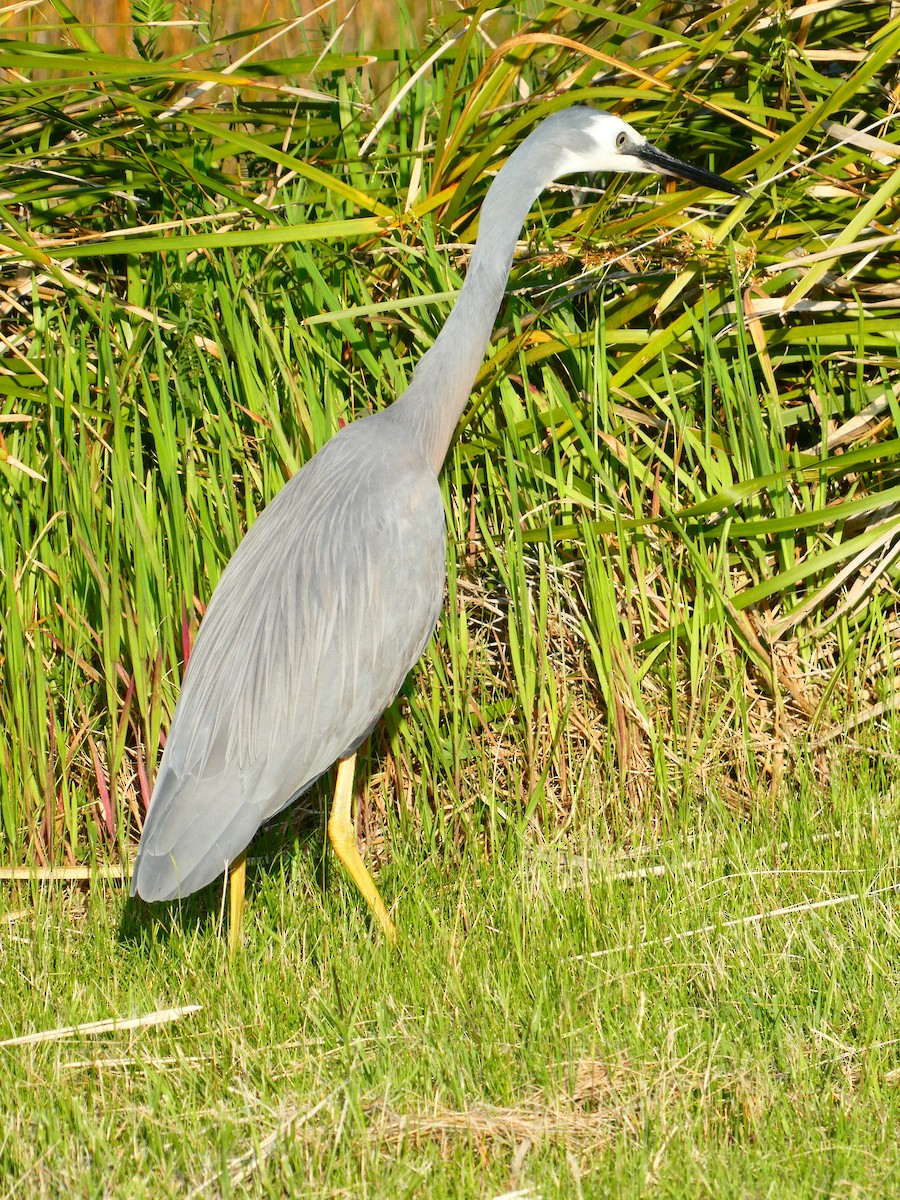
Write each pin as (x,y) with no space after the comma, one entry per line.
(671,503)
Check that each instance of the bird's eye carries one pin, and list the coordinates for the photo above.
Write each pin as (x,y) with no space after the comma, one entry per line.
(621,140)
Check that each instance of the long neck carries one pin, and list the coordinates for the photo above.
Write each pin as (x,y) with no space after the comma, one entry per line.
(440,387)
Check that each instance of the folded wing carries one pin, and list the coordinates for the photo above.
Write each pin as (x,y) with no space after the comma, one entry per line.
(321,613)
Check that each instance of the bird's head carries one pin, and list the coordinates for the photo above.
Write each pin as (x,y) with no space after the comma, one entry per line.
(593,140)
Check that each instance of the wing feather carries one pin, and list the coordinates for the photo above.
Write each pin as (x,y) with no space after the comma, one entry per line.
(323,610)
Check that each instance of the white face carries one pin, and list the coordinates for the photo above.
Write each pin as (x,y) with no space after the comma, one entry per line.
(614,145)
(613,138)
(581,140)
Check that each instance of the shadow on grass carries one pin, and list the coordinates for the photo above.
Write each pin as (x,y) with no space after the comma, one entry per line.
(294,840)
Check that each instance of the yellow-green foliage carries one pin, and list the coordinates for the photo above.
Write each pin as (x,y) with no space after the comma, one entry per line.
(672,501)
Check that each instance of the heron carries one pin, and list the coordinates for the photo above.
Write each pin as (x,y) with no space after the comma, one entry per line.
(330,599)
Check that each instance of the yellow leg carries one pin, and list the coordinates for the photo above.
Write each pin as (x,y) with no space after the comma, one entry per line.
(237,878)
(342,834)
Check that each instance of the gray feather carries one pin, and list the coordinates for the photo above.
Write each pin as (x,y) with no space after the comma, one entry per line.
(323,610)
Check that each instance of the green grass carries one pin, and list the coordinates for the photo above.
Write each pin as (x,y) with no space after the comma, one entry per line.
(669,638)
(544,1023)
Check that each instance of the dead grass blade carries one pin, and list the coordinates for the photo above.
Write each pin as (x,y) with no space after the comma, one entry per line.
(115,1025)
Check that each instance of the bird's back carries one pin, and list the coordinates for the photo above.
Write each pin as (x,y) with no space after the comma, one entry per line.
(321,613)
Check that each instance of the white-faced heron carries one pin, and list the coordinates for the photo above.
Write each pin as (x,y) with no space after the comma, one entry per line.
(333,594)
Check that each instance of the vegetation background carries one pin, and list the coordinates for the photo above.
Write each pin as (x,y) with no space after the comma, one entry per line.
(659,714)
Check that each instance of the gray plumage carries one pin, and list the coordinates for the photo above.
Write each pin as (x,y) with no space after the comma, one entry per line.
(330,599)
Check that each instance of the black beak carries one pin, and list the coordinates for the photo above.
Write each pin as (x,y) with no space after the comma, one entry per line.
(669,165)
